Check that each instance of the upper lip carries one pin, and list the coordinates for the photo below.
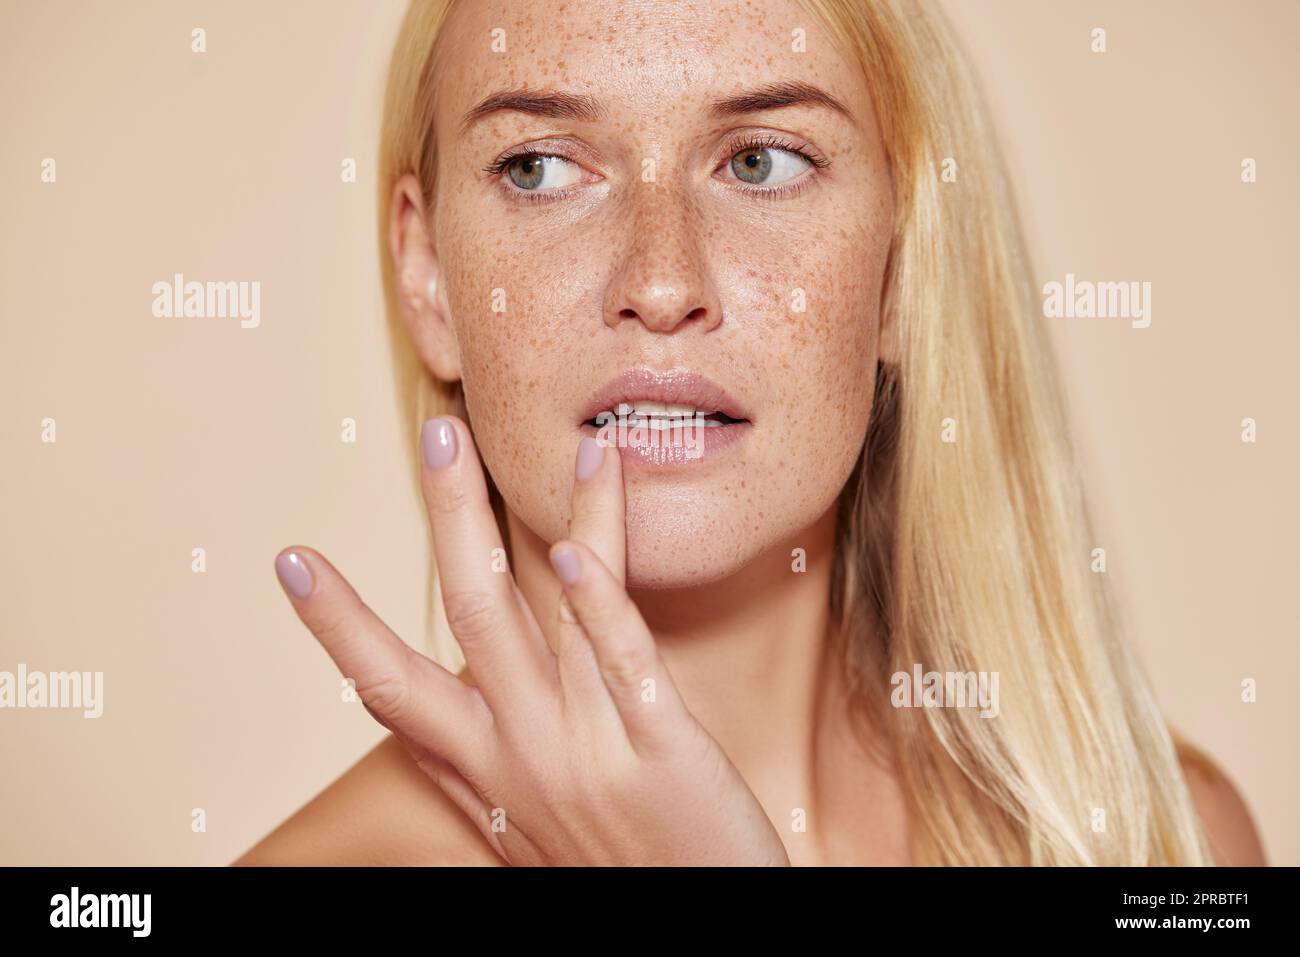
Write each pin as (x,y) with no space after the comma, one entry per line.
(677,387)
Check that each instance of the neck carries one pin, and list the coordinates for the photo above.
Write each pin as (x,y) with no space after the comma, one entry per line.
(753,653)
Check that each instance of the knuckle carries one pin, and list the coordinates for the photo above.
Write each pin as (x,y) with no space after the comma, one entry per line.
(598,620)
(472,616)
(333,630)
(386,695)
(329,629)
(564,611)
(611,613)
(449,500)
(625,669)
(591,508)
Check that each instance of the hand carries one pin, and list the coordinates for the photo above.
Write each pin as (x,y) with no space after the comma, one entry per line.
(574,746)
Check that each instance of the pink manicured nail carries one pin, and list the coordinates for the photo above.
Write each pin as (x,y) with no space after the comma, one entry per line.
(590,455)
(293,574)
(438,442)
(566,565)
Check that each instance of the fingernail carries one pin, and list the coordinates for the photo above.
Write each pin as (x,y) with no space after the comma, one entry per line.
(590,455)
(438,442)
(293,574)
(566,565)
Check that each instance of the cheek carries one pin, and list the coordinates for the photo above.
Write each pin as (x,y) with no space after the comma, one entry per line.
(827,357)
(817,349)
(513,312)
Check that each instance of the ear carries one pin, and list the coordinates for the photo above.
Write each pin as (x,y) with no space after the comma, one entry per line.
(422,299)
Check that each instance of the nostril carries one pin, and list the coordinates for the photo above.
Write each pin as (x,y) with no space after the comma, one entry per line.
(667,318)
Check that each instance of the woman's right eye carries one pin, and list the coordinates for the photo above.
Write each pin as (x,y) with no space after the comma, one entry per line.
(538,171)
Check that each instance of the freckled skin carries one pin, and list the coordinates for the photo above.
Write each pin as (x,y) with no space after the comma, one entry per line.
(693,270)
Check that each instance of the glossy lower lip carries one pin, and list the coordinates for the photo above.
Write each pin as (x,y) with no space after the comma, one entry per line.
(671,449)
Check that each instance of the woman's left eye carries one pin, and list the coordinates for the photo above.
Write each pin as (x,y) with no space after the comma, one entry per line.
(767,165)
(538,171)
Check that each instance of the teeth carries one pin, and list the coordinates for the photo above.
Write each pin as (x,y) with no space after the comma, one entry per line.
(657,423)
(657,409)
(658,416)
(663,425)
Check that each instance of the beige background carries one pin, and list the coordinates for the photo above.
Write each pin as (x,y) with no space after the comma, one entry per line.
(177,434)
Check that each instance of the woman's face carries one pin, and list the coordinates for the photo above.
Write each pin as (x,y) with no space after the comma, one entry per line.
(664,209)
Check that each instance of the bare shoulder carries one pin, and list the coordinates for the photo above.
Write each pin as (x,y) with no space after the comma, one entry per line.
(1234,842)
(381,811)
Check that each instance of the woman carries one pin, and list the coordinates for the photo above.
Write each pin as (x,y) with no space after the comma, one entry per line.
(765,432)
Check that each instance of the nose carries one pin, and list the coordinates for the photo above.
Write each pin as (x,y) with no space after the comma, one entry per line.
(662,278)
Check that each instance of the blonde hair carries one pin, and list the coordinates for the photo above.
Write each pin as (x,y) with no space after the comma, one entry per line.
(962,556)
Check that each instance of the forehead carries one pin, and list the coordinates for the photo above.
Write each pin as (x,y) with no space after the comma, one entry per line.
(644,59)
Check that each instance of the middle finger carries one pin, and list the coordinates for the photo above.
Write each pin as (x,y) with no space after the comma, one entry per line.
(508,658)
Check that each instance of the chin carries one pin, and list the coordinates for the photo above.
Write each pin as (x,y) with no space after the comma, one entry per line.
(651,569)
(677,538)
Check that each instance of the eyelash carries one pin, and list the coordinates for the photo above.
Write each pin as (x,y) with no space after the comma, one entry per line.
(497,169)
(772,141)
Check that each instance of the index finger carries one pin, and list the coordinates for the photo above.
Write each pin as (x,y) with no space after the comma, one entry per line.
(599,518)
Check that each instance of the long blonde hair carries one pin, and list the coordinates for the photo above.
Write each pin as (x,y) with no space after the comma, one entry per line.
(964,556)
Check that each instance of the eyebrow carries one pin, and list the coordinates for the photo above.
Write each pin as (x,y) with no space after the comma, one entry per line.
(771,96)
(568,106)
(578,106)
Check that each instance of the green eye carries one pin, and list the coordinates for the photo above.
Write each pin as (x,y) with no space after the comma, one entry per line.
(767,165)
(535,171)
(526,171)
(752,165)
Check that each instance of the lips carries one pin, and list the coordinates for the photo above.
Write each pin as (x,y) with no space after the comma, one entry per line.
(665,420)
